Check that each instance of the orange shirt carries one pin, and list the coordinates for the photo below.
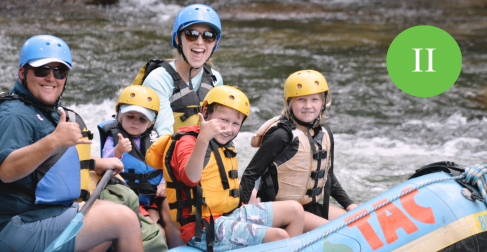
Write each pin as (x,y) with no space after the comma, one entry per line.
(182,152)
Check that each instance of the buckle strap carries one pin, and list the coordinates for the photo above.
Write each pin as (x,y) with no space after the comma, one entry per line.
(84,194)
(178,185)
(319,155)
(182,203)
(233,174)
(153,174)
(88,134)
(9,96)
(185,221)
(190,111)
(143,188)
(87,164)
(314,192)
(229,153)
(141,177)
(317,174)
(234,193)
(221,167)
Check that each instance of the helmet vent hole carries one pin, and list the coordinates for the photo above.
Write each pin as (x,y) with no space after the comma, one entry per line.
(196,8)
(299,86)
(231,97)
(317,83)
(298,74)
(207,9)
(59,45)
(149,99)
(246,104)
(47,43)
(132,95)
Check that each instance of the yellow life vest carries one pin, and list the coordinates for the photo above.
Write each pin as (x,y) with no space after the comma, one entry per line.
(84,153)
(218,191)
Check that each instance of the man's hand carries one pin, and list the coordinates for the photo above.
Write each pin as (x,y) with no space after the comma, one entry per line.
(103,164)
(68,134)
(210,129)
(124,145)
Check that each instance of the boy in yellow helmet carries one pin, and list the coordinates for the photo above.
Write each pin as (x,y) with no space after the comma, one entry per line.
(201,172)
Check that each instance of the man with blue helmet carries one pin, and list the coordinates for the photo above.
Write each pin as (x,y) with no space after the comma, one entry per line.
(44,156)
(183,83)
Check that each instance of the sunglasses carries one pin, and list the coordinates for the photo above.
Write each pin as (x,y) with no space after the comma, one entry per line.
(192,35)
(59,73)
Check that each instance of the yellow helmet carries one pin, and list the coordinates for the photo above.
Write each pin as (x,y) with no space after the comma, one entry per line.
(228,96)
(139,95)
(304,82)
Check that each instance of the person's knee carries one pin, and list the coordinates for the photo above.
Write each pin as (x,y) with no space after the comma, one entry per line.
(118,215)
(275,234)
(296,208)
(125,213)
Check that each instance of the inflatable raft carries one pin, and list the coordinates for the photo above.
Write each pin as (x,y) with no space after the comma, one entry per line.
(431,212)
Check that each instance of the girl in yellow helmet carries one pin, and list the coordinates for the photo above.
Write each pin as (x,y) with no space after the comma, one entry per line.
(128,139)
(295,161)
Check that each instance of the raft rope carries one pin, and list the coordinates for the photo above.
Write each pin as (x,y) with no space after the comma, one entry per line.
(475,175)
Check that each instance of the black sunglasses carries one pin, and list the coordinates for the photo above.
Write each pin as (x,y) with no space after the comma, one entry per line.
(60,73)
(192,35)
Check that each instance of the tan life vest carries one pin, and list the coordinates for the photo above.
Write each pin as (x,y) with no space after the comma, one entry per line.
(296,160)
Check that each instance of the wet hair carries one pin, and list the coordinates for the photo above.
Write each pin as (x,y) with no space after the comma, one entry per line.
(286,112)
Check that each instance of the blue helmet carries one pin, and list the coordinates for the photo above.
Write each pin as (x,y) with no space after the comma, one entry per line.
(197,13)
(45,47)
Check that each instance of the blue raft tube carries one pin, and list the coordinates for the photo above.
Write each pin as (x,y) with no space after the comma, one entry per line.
(438,209)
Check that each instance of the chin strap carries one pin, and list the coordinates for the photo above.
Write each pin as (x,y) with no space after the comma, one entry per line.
(190,84)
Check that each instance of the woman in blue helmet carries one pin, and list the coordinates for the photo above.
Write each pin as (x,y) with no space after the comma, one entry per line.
(182,84)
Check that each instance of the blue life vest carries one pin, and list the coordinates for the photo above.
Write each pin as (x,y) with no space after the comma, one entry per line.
(58,179)
(142,178)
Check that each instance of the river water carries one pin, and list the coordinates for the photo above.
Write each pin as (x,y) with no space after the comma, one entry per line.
(382,134)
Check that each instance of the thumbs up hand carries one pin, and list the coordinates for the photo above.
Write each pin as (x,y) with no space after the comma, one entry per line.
(124,145)
(210,129)
(67,134)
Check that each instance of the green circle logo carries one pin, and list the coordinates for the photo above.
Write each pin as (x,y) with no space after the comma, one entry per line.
(424,61)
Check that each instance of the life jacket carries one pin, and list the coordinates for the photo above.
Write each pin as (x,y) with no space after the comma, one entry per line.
(185,102)
(64,176)
(216,194)
(140,177)
(284,178)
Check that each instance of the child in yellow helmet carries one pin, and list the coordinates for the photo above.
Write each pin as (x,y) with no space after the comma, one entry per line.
(128,138)
(200,167)
(298,147)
